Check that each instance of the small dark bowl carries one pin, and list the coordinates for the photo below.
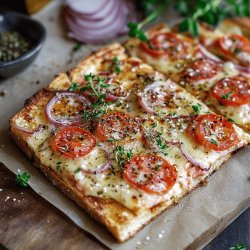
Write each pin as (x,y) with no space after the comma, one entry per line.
(28,28)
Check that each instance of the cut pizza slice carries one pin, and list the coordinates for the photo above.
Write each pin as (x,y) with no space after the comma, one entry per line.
(185,61)
(227,43)
(165,50)
(199,72)
(113,136)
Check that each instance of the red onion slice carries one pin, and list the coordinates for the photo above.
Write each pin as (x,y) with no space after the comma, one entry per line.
(66,121)
(112,95)
(183,148)
(150,140)
(196,162)
(92,29)
(87,8)
(242,68)
(205,53)
(93,25)
(214,58)
(151,89)
(96,37)
(96,25)
(99,168)
(30,131)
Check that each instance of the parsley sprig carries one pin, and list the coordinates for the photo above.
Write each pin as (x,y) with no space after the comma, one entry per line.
(194,11)
(22,179)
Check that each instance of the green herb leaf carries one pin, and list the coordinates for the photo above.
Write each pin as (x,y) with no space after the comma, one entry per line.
(76,47)
(214,141)
(22,179)
(96,84)
(189,25)
(231,120)
(122,156)
(194,11)
(239,246)
(111,140)
(226,96)
(157,167)
(117,65)
(182,7)
(161,145)
(58,166)
(154,125)
(77,170)
(73,87)
(197,108)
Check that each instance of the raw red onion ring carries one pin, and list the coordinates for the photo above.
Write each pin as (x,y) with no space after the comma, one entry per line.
(99,169)
(75,120)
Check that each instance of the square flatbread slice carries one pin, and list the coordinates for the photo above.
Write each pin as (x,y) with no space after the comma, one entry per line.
(129,163)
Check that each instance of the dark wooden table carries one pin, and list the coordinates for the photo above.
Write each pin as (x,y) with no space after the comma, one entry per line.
(27,221)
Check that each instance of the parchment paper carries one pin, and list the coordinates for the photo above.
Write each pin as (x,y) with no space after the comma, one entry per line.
(200,216)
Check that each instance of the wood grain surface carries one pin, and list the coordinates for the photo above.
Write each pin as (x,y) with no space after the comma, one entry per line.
(28,222)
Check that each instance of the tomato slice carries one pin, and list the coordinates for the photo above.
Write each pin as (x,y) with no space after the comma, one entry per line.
(231,47)
(73,142)
(214,132)
(166,44)
(117,126)
(150,173)
(232,91)
(201,69)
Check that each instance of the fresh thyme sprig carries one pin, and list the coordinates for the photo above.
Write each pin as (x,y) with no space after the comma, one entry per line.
(122,156)
(239,246)
(22,179)
(211,12)
(117,65)
(96,84)
(73,87)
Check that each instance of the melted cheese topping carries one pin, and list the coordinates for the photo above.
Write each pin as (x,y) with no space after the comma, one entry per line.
(110,184)
(239,114)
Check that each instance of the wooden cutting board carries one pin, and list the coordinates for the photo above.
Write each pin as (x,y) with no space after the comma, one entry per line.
(27,221)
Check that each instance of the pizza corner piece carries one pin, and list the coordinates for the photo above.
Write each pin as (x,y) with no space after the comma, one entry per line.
(122,140)
(215,67)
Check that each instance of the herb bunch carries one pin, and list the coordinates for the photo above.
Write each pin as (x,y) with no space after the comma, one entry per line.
(95,85)
(122,156)
(193,11)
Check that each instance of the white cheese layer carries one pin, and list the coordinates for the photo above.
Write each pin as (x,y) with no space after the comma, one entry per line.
(108,184)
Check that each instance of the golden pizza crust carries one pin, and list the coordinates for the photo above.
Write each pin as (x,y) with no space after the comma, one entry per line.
(239,25)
